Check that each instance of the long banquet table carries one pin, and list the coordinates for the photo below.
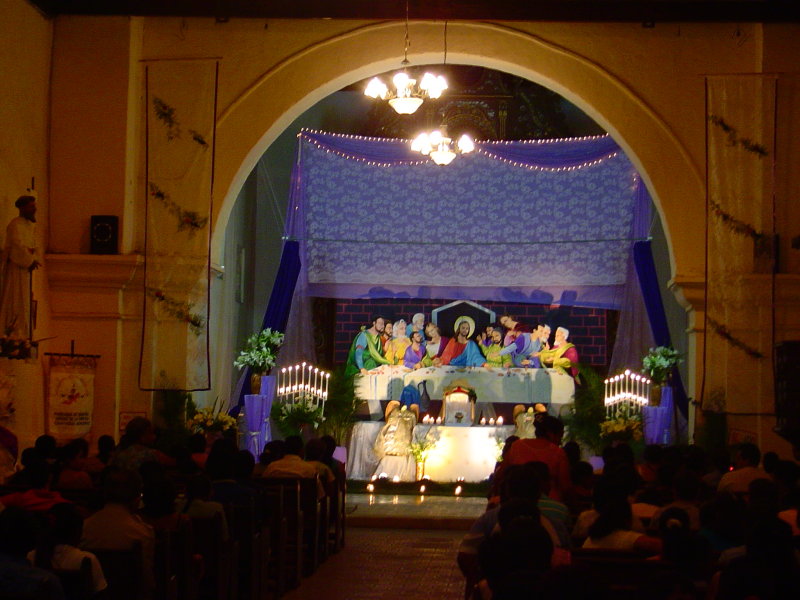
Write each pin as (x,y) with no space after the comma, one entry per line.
(517,386)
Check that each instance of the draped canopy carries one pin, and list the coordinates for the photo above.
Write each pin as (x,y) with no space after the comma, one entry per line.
(530,221)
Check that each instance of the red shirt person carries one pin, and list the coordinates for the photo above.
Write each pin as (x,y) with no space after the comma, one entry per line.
(545,448)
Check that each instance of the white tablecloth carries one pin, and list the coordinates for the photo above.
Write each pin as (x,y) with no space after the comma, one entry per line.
(516,386)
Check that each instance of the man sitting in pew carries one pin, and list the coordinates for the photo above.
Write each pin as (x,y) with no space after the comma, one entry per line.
(293,465)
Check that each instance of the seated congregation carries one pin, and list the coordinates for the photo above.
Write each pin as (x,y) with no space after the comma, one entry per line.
(679,525)
(197,522)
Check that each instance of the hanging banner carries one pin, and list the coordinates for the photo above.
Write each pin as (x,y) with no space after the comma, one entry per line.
(180,137)
(70,397)
(740,114)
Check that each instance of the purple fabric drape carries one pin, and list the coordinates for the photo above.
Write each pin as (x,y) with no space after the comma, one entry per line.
(648,280)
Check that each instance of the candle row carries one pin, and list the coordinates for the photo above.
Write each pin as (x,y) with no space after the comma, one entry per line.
(429,420)
(303,382)
(492,422)
(628,388)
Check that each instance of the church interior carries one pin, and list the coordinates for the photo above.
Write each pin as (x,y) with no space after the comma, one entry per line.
(181,176)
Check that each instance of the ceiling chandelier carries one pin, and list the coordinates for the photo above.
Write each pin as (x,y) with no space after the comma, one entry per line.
(408,94)
(441,148)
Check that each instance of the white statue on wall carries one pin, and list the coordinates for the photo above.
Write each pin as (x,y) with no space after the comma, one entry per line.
(20,258)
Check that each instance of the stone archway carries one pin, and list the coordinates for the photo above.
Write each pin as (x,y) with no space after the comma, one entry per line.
(254,120)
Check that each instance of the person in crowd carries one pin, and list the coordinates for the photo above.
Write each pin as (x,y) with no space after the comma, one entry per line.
(514,560)
(573,451)
(768,569)
(58,547)
(337,466)
(105,448)
(720,464)
(292,464)
(70,471)
(39,498)
(198,449)
(135,446)
(651,462)
(613,530)
(273,450)
(197,503)
(579,496)
(685,486)
(546,448)
(681,546)
(159,508)
(9,448)
(30,460)
(396,347)
(746,459)
(769,461)
(18,579)
(498,476)
(221,468)
(117,526)
(415,353)
(46,447)
(315,453)
(606,488)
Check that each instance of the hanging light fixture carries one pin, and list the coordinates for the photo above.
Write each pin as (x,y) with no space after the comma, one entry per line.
(407,95)
(441,148)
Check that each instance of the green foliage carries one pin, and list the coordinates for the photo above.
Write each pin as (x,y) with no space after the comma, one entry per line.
(341,406)
(582,418)
(290,417)
(260,351)
(659,362)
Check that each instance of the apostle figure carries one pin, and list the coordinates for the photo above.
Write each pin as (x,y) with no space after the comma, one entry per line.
(523,345)
(417,324)
(462,351)
(436,343)
(396,347)
(415,353)
(493,352)
(386,334)
(366,352)
(21,258)
(563,357)
(511,325)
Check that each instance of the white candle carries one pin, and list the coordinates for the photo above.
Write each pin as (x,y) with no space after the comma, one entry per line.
(438,420)
(483,420)
(491,421)
(499,421)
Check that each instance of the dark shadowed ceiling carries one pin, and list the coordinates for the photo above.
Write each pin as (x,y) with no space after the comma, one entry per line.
(647,12)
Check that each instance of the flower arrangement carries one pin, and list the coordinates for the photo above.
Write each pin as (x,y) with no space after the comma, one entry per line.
(421,448)
(260,351)
(659,362)
(208,419)
(623,428)
(290,417)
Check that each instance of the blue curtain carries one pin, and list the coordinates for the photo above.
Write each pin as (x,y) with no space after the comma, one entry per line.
(277,314)
(648,281)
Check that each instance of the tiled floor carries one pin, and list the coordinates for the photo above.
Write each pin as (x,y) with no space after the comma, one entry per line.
(385,560)
(388,564)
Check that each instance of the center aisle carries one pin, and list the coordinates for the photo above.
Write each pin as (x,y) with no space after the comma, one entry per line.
(387,564)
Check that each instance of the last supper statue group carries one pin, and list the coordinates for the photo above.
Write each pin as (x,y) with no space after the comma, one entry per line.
(505,344)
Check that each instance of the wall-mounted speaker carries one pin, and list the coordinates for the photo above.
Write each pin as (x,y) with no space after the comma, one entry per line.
(104,234)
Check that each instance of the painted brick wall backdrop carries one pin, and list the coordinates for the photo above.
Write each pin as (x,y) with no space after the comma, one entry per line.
(590,328)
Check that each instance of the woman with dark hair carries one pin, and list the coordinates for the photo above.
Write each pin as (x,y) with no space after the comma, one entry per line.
(612,530)
(197,503)
(58,548)
(135,446)
(69,472)
(105,448)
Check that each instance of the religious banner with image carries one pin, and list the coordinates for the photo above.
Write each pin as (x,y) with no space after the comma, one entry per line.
(180,131)
(70,397)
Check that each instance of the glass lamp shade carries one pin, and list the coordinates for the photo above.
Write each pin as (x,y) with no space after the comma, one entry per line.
(405,106)
(443,156)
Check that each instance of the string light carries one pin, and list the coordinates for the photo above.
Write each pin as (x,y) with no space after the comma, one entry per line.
(482,148)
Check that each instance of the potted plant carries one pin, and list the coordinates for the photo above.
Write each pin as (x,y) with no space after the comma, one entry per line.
(658,363)
(259,353)
(622,428)
(300,417)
